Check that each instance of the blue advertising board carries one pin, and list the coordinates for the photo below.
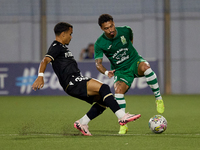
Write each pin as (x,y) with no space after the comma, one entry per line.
(17,79)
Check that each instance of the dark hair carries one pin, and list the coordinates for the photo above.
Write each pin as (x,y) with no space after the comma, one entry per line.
(61,26)
(90,44)
(104,18)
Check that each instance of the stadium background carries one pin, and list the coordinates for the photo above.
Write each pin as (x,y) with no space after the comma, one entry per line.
(20,32)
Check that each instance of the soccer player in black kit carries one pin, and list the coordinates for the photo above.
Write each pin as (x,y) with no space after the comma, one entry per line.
(76,85)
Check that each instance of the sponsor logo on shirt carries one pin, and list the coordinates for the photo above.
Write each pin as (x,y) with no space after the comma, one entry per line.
(121,55)
(68,54)
(123,59)
(120,50)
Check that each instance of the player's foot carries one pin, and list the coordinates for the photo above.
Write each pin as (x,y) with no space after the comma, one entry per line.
(82,128)
(160,106)
(128,118)
(123,129)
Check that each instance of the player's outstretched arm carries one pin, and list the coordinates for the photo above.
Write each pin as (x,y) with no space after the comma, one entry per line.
(39,82)
(99,65)
(102,69)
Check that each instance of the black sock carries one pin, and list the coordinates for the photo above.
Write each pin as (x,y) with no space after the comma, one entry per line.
(108,98)
(95,111)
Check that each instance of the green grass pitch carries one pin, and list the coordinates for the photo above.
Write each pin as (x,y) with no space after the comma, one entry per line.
(46,123)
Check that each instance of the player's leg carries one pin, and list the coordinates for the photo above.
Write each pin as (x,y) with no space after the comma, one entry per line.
(94,111)
(79,90)
(151,78)
(109,101)
(95,87)
(120,89)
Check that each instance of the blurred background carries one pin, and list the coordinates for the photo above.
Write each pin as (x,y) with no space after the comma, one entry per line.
(26,28)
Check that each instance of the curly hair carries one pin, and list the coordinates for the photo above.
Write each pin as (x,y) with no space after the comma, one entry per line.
(104,18)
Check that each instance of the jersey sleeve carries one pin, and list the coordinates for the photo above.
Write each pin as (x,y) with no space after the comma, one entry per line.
(98,53)
(130,32)
(53,52)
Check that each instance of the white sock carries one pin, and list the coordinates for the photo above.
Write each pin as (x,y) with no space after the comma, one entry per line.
(120,113)
(85,119)
(123,109)
(159,98)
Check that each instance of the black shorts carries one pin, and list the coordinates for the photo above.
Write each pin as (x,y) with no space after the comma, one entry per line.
(77,87)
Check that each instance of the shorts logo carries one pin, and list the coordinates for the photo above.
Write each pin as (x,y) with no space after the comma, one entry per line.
(121,79)
(138,63)
(123,39)
(70,83)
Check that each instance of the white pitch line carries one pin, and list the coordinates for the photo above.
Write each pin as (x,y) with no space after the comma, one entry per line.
(147,134)
(71,134)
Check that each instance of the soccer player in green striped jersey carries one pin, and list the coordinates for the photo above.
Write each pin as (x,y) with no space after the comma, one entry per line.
(126,64)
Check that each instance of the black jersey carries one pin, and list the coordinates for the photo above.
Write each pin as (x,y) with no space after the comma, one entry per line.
(63,63)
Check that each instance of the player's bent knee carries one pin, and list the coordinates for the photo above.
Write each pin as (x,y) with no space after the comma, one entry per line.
(143,67)
(120,88)
(105,91)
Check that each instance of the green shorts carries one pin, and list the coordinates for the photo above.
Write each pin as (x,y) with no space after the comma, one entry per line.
(128,75)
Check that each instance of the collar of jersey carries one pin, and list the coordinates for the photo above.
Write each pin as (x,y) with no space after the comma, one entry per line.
(65,46)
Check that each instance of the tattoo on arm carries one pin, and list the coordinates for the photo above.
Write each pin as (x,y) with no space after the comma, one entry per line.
(98,62)
(99,66)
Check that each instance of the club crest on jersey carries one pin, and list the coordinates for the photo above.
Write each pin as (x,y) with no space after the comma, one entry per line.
(123,39)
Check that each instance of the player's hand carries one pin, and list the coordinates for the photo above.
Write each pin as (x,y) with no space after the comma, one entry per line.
(111,73)
(38,84)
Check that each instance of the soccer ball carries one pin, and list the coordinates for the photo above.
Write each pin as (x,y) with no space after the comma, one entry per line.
(158,124)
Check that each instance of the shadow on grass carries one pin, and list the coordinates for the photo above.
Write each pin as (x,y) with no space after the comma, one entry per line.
(27,131)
